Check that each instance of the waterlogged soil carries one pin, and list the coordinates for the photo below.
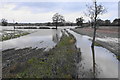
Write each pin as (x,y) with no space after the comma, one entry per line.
(59,62)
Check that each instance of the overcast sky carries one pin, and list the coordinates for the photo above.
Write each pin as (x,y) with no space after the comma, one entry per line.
(43,11)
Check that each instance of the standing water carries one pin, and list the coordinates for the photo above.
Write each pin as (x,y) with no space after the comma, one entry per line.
(42,38)
(106,62)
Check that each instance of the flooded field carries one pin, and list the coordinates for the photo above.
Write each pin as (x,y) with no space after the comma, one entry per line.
(106,61)
(38,39)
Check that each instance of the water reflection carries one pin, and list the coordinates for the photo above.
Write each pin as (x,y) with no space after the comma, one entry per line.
(56,35)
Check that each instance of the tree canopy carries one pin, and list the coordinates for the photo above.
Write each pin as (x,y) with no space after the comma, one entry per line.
(57,18)
(4,22)
(79,21)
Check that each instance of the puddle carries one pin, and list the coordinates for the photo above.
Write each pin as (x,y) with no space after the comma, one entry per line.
(106,62)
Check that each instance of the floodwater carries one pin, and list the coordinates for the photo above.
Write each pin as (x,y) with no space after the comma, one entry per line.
(106,62)
(41,38)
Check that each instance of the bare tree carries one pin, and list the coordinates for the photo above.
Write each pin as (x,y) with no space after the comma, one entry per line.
(57,18)
(79,21)
(93,12)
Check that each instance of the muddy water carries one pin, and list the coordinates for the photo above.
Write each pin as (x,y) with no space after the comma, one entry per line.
(42,38)
(106,62)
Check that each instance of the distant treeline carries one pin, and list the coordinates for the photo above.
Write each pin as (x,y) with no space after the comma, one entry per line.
(115,22)
(100,22)
(41,24)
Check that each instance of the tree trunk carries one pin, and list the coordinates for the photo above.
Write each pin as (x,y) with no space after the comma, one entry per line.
(14,29)
(93,41)
(93,51)
(56,25)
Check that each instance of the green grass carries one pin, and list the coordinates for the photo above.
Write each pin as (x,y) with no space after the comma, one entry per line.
(97,44)
(118,57)
(66,41)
